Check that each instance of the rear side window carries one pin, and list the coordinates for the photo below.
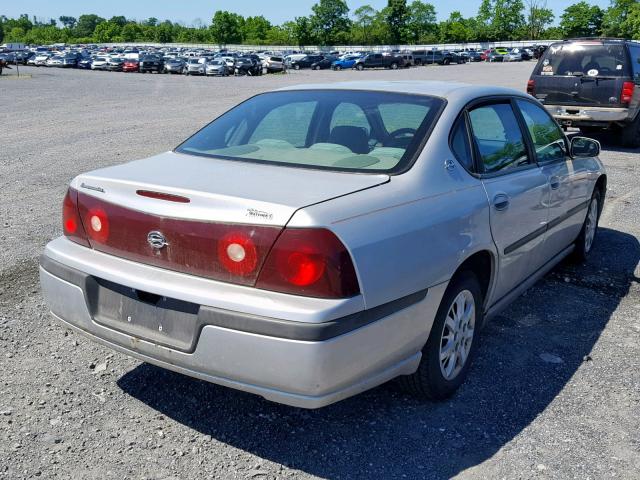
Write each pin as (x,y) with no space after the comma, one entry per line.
(634,53)
(547,138)
(460,144)
(498,137)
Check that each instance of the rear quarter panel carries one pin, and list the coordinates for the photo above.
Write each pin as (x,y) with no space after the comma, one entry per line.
(412,232)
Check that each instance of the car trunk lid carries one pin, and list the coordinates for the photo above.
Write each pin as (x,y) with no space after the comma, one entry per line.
(175,210)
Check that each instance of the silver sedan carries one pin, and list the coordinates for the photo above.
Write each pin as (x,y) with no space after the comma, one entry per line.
(314,242)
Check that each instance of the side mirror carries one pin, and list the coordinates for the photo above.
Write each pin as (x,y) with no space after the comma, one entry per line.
(584,147)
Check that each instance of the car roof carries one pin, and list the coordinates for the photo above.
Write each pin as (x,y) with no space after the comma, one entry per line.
(447,90)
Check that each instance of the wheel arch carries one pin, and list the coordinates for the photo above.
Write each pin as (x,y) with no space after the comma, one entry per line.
(483,265)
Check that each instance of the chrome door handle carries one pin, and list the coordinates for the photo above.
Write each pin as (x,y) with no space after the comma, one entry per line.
(501,201)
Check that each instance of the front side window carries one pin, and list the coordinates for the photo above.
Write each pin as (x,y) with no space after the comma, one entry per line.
(547,138)
(498,137)
(332,129)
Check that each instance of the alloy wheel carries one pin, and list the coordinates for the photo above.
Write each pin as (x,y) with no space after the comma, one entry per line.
(457,335)
(591,225)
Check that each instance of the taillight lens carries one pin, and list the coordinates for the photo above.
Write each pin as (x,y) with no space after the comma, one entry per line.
(531,87)
(238,253)
(71,222)
(311,262)
(97,224)
(627,92)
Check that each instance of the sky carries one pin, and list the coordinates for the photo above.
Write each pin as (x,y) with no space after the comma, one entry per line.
(187,11)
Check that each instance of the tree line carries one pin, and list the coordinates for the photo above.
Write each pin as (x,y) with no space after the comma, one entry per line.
(331,22)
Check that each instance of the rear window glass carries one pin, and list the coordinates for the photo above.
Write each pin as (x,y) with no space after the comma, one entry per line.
(584,59)
(331,129)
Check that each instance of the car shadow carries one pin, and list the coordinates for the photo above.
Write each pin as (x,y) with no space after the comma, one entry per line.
(527,356)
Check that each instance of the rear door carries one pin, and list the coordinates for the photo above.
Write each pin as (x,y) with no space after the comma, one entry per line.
(582,74)
(516,189)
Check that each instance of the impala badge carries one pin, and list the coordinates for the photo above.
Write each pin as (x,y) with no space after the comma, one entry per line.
(156,240)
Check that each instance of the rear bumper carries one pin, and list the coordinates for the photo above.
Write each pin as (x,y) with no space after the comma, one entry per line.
(569,115)
(272,357)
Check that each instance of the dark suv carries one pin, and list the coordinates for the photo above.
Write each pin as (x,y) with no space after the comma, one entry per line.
(379,60)
(151,63)
(592,84)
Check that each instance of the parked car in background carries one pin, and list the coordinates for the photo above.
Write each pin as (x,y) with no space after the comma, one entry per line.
(9,58)
(174,65)
(115,64)
(151,63)
(457,57)
(70,60)
(497,54)
(273,64)
(512,56)
(100,63)
(286,286)
(347,61)
(85,63)
(23,57)
(475,56)
(440,57)
(408,59)
(379,60)
(539,50)
(195,66)
(55,61)
(216,68)
(131,65)
(420,56)
(323,64)
(592,84)
(248,66)
(306,61)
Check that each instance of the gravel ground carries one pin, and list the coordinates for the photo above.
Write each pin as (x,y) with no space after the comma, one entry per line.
(554,393)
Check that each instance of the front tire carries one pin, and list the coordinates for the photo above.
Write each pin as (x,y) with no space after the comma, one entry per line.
(360,67)
(452,343)
(587,237)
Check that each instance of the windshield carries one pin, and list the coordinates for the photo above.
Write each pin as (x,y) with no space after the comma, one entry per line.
(330,129)
(584,59)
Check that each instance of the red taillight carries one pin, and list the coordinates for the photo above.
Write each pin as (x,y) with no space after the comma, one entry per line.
(531,87)
(627,92)
(238,253)
(311,262)
(71,222)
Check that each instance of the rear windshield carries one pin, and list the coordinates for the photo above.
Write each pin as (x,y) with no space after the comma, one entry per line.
(326,129)
(584,59)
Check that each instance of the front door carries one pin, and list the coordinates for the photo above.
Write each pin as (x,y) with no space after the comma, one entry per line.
(517,190)
(568,179)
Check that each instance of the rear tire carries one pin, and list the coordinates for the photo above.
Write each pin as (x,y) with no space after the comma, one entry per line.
(630,134)
(359,67)
(587,236)
(440,373)
(394,66)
